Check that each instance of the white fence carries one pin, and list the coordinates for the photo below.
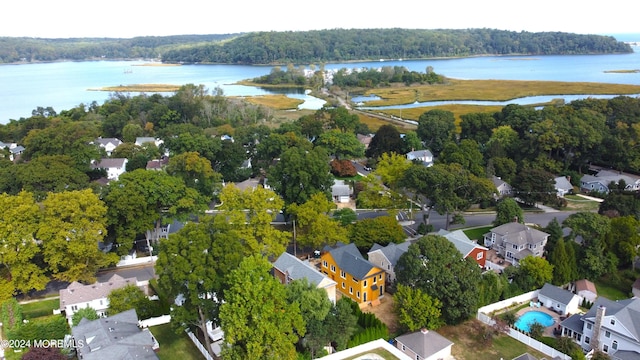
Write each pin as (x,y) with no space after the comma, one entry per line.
(523,338)
(199,345)
(136,261)
(164,319)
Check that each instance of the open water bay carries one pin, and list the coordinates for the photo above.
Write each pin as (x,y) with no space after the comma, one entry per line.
(64,85)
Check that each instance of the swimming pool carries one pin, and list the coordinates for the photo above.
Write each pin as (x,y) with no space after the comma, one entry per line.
(533,316)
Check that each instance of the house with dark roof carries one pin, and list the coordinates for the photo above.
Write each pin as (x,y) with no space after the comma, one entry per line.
(114,338)
(287,268)
(113,166)
(357,277)
(467,247)
(612,327)
(515,241)
(77,296)
(386,257)
(558,299)
(425,345)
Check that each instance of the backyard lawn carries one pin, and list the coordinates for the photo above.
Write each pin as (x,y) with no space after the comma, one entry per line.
(40,308)
(477,233)
(174,346)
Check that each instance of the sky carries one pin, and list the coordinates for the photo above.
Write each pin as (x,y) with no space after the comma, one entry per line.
(131,18)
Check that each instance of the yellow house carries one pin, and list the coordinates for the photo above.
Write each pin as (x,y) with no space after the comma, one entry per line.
(356,277)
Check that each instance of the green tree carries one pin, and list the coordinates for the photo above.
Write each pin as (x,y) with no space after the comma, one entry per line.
(88,313)
(416,310)
(380,230)
(130,132)
(314,308)
(249,214)
(623,239)
(19,222)
(300,174)
(391,168)
(196,172)
(386,140)
(143,200)
(532,273)
(534,185)
(340,144)
(345,216)
(436,127)
(561,264)
(314,225)
(507,211)
(467,154)
(127,298)
(373,194)
(555,233)
(343,322)
(477,126)
(257,320)
(435,266)
(341,119)
(53,173)
(194,264)
(73,223)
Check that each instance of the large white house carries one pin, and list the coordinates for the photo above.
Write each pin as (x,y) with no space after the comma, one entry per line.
(612,327)
(113,166)
(515,241)
(77,296)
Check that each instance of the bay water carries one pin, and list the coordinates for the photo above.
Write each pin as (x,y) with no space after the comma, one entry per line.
(64,85)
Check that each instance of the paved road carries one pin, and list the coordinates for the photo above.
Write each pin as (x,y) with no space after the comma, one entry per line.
(141,272)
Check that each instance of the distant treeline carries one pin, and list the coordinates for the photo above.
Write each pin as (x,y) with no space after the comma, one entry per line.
(335,45)
(340,45)
(14,49)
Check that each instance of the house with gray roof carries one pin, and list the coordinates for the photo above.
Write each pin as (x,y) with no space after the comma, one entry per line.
(515,241)
(113,166)
(558,299)
(612,327)
(563,186)
(425,157)
(358,278)
(467,247)
(77,296)
(287,268)
(425,345)
(341,192)
(386,257)
(502,187)
(108,144)
(114,338)
(601,181)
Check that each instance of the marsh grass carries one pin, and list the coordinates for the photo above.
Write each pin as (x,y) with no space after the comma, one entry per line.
(278,102)
(492,90)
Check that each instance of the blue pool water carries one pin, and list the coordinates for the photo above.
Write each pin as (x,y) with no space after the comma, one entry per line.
(533,316)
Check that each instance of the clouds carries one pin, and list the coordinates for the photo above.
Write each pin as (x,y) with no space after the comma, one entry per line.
(129,18)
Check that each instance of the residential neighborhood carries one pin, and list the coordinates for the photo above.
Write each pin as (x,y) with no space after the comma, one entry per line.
(194,236)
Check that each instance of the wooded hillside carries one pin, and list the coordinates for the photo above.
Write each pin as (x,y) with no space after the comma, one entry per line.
(339,45)
(319,46)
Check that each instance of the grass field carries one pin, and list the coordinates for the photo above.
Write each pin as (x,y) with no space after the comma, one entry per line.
(477,233)
(578,203)
(469,343)
(174,346)
(40,308)
(278,102)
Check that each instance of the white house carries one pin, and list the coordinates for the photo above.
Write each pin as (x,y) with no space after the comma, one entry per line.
(108,144)
(515,241)
(425,345)
(612,327)
(563,186)
(423,156)
(502,188)
(114,167)
(340,191)
(77,296)
(558,299)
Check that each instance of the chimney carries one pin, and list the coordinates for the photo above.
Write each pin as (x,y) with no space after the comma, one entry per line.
(595,341)
(515,219)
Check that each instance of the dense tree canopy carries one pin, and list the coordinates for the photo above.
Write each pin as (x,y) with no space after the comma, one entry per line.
(436,267)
